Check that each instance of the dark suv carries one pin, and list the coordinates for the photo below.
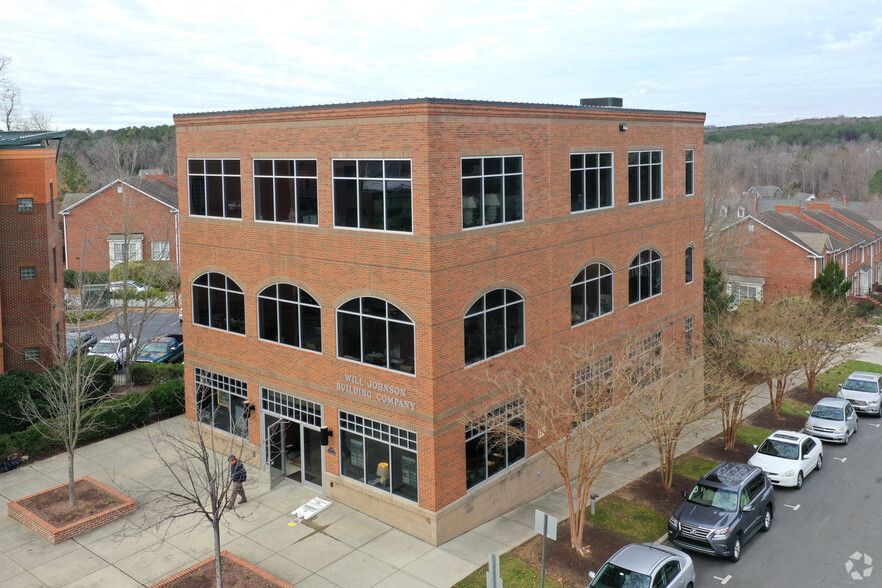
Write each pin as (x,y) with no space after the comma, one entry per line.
(726,507)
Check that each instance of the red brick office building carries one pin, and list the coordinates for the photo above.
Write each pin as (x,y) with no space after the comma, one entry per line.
(355,267)
(31,291)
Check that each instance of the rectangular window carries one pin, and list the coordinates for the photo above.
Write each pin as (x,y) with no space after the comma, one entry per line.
(31,354)
(220,401)
(51,200)
(490,447)
(54,266)
(120,247)
(291,407)
(599,371)
(160,251)
(492,190)
(215,187)
(644,176)
(645,356)
(379,455)
(690,172)
(373,194)
(25,204)
(744,292)
(689,264)
(28,272)
(688,335)
(286,191)
(591,181)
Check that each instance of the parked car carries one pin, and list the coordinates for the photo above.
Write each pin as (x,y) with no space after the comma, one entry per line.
(724,510)
(116,347)
(131,286)
(645,565)
(864,391)
(79,342)
(832,419)
(168,349)
(788,457)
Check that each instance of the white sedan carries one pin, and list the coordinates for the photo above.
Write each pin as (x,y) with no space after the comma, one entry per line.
(788,457)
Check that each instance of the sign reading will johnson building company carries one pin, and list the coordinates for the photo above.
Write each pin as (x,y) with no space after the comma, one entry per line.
(377,391)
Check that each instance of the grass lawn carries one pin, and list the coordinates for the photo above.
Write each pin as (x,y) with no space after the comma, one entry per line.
(829,381)
(514,572)
(637,522)
(795,407)
(693,466)
(752,435)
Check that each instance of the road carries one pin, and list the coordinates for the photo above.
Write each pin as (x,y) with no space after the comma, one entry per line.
(834,519)
(158,322)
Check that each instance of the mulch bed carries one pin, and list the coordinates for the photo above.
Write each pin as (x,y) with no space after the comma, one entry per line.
(53,506)
(237,573)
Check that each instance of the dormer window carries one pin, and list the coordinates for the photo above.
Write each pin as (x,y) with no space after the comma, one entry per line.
(741,212)
(724,210)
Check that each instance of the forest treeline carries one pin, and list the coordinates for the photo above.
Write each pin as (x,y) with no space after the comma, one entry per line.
(840,157)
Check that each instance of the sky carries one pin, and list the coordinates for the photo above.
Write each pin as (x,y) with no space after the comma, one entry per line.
(108,64)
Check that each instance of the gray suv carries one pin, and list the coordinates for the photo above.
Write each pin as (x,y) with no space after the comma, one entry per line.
(864,391)
(725,509)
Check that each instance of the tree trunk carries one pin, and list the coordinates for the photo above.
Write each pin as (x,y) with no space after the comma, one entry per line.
(218,570)
(810,382)
(72,499)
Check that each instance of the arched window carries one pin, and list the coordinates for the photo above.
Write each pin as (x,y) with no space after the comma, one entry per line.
(494,324)
(591,294)
(689,266)
(372,331)
(218,302)
(644,276)
(288,315)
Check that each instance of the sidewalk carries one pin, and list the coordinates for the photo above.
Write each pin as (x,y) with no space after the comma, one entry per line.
(339,547)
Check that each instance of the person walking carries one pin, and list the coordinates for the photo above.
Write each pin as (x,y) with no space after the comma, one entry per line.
(239,476)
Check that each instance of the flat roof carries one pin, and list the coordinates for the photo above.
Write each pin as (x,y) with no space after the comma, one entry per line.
(436,101)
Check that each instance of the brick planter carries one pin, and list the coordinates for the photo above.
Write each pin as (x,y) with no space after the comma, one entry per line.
(17,510)
(232,559)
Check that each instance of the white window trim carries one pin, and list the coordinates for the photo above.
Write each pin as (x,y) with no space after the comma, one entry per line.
(612,168)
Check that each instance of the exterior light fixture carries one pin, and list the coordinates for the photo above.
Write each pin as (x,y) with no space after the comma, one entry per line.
(623,127)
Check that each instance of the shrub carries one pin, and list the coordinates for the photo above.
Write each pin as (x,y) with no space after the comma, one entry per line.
(13,385)
(77,317)
(161,275)
(167,399)
(74,279)
(6,446)
(863,308)
(33,441)
(156,373)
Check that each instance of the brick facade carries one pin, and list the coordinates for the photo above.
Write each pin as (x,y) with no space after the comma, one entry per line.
(31,312)
(112,212)
(436,272)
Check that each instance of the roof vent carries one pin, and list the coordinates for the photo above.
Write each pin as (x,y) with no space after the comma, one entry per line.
(617,102)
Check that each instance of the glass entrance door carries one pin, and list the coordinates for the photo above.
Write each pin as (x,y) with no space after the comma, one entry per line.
(274,443)
(312,456)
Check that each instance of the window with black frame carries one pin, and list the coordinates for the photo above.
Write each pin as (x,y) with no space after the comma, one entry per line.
(373,194)
(218,302)
(644,276)
(215,187)
(375,332)
(221,402)
(495,442)
(644,176)
(494,324)
(689,265)
(286,191)
(492,190)
(690,172)
(379,455)
(288,315)
(591,293)
(591,181)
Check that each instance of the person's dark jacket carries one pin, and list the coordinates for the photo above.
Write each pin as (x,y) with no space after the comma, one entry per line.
(237,471)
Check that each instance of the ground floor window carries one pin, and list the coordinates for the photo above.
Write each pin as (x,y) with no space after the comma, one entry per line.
(379,455)
(221,401)
(645,356)
(745,292)
(491,448)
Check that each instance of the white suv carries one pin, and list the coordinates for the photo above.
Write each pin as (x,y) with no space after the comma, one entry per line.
(116,347)
(864,391)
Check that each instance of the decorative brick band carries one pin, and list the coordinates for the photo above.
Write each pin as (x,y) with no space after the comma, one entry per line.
(233,559)
(17,510)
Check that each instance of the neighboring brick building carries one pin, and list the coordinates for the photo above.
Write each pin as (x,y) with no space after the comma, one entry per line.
(777,253)
(139,216)
(356,267)
(31,292)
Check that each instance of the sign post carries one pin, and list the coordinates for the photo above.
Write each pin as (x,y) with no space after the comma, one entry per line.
(545,524)
(494,579)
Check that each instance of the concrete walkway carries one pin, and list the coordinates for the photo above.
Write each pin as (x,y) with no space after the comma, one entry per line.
(339,547)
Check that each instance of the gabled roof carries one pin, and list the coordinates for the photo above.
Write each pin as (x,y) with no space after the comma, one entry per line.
(799,232)
(858,219)
(854,236)
(28,138)
(765,191)
(159,190)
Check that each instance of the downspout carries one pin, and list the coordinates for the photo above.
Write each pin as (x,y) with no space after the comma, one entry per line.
(66,255)
(177,214)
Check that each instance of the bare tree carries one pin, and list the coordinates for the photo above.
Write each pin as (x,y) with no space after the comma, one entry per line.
(577,412)
(201,478)
(671,402)
(729,383)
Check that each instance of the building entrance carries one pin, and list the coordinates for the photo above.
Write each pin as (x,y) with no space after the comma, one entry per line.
(292,439)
